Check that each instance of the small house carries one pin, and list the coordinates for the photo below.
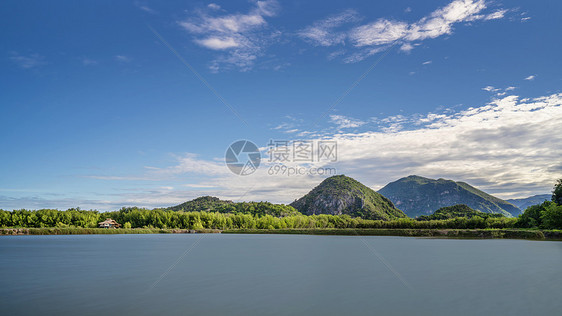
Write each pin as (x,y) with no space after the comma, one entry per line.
(109,223)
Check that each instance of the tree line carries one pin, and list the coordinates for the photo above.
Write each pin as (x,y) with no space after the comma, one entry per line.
(145,218)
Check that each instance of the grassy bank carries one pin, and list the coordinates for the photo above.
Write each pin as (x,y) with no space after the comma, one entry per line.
(103,231)
(435,233)
(532,234)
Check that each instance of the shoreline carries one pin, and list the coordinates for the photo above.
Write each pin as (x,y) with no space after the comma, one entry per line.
(100,231)
(528,234)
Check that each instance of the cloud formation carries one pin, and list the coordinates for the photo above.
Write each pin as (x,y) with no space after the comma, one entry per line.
(346,122)
(372,37)
(123,58)
(241,37)
(323,33)
(27,61)
(506,147)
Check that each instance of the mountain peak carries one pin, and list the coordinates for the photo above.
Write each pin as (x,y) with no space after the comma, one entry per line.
(417,196)
(344,195)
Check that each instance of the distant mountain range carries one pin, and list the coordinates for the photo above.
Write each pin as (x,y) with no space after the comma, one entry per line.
(411,196)
(417,196)
(343,195)
(522,204)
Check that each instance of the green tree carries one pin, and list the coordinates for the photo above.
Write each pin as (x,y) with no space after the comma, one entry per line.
(557,192)
(532,217)
(552,217)
(127,225)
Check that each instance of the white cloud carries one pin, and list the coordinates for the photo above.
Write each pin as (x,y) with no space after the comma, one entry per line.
(346,122)
(335,54)
(406,47)
(379,33)
(122,178)
(427,62)
(27,61)
(218,43)
(364,53)
(123,58)
(147,9)
(490,89)
(214,6)
(282,126)
(323,33)
(190,163)
(531,77)
(88,62)
(496,15)
(384,31)
(291,131)
(197,185)
(242,36)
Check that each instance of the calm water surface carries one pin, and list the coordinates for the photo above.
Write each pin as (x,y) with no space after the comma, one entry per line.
(277,275)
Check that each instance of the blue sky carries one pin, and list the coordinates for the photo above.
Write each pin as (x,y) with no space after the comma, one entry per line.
(106,104)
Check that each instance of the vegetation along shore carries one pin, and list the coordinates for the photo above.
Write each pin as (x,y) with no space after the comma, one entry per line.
(338,206)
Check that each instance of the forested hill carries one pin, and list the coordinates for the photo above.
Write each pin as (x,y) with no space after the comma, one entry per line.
(203,203)
(214,204)
(343,195)
(456,211)
(417,196)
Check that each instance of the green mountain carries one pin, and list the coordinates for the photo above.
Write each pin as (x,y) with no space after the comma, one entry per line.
(344,195)
(522,204)
(459,210)
(214,204)
(418,196)
(204,203)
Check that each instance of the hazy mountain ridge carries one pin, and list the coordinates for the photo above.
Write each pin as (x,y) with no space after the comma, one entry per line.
(343,195)
(523,204)
(417,196)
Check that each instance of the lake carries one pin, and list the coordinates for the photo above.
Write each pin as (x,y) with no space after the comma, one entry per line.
(223,274)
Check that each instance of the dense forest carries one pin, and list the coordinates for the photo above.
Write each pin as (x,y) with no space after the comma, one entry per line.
(265,215)
(144,218)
